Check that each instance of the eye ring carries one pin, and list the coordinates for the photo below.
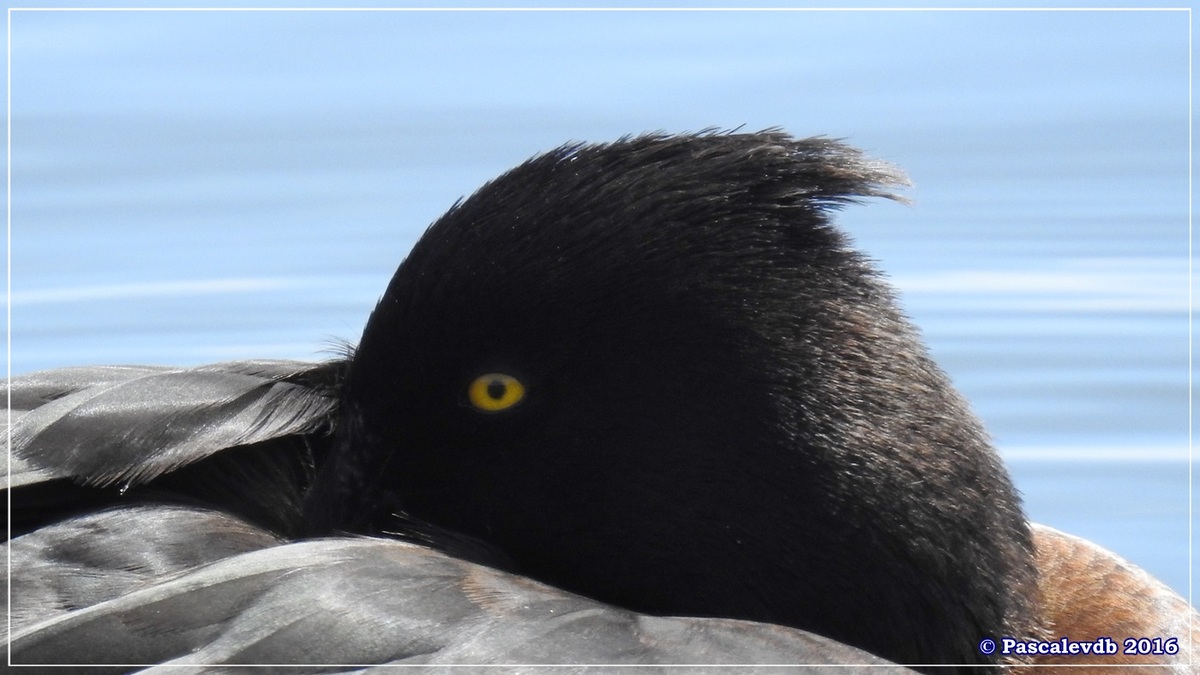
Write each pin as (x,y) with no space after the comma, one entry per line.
(495,392)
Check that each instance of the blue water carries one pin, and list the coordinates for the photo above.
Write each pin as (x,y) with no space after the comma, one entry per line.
(198,186)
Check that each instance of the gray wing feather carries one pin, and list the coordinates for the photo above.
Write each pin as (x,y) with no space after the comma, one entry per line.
(127,425)
(337,603)
(99,556)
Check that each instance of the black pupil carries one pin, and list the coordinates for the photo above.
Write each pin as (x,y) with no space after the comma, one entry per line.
(496,389)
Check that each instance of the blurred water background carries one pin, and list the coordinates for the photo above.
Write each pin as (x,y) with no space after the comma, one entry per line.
(197,186)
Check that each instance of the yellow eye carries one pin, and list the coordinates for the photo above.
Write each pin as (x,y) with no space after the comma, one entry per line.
(494,392)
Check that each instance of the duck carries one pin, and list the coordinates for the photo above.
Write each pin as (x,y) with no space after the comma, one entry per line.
(635,402)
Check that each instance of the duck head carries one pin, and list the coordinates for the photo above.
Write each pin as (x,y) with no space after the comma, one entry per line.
(652,372)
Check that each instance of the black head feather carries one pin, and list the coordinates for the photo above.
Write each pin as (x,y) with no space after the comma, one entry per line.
(725,412)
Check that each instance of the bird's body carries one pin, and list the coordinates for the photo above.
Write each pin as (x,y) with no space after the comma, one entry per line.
(193,565)
(650,373)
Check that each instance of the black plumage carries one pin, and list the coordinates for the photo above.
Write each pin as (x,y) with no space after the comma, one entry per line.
(713,408)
